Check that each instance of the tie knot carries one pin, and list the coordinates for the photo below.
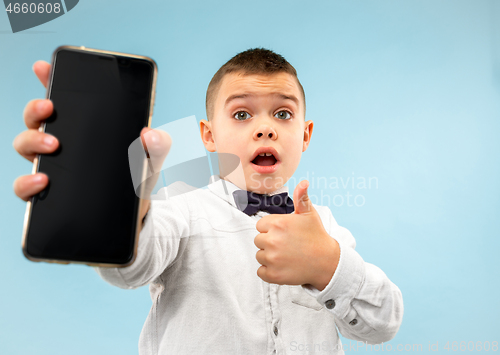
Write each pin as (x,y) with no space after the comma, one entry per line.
(251,202)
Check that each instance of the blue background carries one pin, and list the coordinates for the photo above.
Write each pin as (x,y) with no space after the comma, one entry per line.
(404,91)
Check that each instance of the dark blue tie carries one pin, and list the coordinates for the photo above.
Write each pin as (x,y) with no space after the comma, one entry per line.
(250,202)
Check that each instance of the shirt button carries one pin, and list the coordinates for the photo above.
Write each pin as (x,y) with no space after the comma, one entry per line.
(330,304)
(353,322)
(275,330)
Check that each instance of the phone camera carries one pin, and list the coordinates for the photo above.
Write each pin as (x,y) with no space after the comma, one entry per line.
(124,62)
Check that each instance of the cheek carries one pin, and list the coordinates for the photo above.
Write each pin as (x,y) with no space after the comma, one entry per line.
(294,143)
(228,141)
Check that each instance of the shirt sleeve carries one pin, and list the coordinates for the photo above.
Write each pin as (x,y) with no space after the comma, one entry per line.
(164,232)
(366,305)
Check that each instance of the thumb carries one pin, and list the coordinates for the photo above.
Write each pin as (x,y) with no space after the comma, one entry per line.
(301,200)
(157,144)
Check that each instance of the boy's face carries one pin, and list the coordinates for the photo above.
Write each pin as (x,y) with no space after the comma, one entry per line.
(259,114)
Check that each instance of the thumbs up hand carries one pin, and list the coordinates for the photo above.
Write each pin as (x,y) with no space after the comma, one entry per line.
(295,249)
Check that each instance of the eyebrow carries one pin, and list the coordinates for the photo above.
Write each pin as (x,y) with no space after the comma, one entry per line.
(281,96)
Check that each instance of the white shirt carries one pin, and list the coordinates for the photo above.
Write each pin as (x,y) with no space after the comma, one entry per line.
(197,253)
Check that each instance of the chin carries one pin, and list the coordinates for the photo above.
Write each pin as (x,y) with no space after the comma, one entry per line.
(264,183)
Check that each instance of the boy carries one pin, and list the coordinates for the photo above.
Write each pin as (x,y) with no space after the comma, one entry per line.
(226,276)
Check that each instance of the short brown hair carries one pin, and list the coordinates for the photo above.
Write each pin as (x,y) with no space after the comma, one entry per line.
(251,61)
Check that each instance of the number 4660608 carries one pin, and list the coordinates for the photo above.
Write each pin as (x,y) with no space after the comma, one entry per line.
(33,8)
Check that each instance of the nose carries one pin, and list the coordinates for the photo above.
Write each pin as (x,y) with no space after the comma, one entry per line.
(264,131)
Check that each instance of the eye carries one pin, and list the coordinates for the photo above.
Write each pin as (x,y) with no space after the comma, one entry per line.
(242,115)
(284,115)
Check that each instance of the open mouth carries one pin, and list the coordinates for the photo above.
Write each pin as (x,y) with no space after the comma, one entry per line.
(265,159)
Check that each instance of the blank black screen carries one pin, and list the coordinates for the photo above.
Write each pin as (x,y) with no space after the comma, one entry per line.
(88,211)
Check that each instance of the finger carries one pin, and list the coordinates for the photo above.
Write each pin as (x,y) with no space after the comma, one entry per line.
(262,273)
(260,241)
(265,223)
(261,257)
(42,71)
(32,142)
(36,111)
(29,185)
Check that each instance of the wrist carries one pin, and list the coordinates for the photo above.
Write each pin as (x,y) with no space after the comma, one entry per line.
(328,262)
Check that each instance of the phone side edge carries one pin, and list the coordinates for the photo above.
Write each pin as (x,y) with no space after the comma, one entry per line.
(145,166)
(34,170)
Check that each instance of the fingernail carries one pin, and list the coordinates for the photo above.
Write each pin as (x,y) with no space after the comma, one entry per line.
(49,140)
(37,178)
(41,106)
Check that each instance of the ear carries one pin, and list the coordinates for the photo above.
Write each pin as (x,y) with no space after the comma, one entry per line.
(207,136)
(308,130)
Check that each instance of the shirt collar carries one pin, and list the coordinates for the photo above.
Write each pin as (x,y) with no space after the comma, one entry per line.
(224,189)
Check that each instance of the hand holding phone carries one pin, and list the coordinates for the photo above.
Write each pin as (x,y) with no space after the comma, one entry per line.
(32,142)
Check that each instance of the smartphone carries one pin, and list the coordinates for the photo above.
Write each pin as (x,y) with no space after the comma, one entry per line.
(89,212)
